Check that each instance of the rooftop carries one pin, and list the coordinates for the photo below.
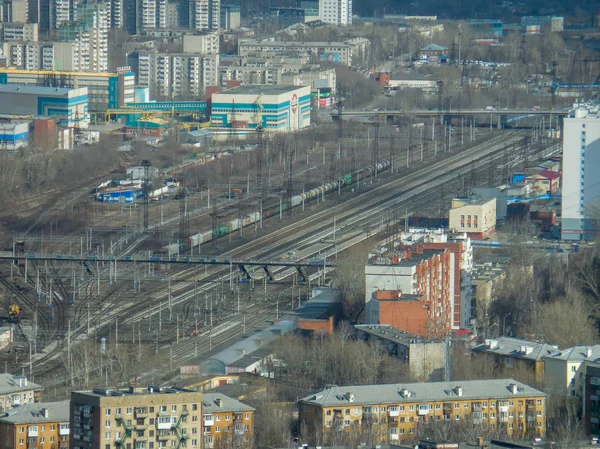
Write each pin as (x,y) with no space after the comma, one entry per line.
(211,401)
(517,348)
(36,413)
(402,258)
(434,47)
(34,90)
(13,384)
(260,90)
(577,354)
(133,391)
(422,392)
(389,333)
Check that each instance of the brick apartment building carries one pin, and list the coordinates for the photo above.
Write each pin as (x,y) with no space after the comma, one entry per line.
(410,288)
(393,412)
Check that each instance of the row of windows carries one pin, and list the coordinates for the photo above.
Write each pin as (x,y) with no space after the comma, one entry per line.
(162,408)
(395,408)
(43,428)
(348,422)
(42,440)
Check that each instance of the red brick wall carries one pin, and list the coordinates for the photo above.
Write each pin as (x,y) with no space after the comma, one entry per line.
(409,316)
(319,327)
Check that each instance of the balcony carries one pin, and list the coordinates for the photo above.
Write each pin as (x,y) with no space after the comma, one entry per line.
(140,426)
(164,437)
(393,413)
(394,436)
(503,408)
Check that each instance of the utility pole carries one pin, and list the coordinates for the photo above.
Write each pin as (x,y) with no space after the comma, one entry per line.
(146,164)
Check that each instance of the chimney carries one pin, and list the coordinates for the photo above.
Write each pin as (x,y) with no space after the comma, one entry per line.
(219,402)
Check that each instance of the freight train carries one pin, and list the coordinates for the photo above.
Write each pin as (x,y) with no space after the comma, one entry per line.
(234,225)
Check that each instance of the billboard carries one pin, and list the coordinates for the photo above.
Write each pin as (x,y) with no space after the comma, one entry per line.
(330,57)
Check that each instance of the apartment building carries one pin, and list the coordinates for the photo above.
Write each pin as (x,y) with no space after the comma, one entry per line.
(336,12)
(205,15)
(201,43)
(175,74)
(19,32)
(36,426)
(581,180)
(140,418)
(564,370)
(17,390)
(461,266)
(15,11)
(417,281)
(508,353)
(230,17)
(350,52)
(226,422)
(393,412)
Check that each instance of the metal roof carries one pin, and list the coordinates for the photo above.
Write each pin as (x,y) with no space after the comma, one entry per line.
(577,354)
(434,47)
(210,404)
(13,384)
(517,348)
(253,343)
(421,392)
(36,90)
(33,413)
(260,89)
(389,333)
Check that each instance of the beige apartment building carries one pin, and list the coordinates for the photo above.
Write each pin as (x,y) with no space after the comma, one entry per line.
(136,418)
(17,390)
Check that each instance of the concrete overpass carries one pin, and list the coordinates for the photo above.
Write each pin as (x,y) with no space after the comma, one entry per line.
(497,116)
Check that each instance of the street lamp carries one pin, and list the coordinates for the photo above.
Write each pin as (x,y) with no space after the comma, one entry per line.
(504,323)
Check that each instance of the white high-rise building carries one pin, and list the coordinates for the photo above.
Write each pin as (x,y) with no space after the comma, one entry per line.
(176,74)
(154,14)
(63,12)
(205,15)
(581,178)
(336,12)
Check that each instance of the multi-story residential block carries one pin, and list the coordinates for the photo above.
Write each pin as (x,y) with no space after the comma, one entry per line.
(394,274)
(139,418)
(62,12)
(426,359)
(393,412)
(267,74)
(487,275)
(564,370)
(17,390)
(581,180)
(230,17)
(591,398)
(201,43)
(14,32)
(226,422)
(508,353)
(459,245)
(350,52)
(336,12)
(154,14)
(15,11)
(476,217)
(205,15)
(554,23)
(175,74)
(40,426)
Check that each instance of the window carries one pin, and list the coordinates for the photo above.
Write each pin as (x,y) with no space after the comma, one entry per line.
(52,439)
(21,429)
(411,430)
(129,410)
(539,413)
(492,415)
(217,429)
(401,431)
(107,412)
(151,409)
(107,423)
(227,428)
(107,446)
(53,427)
(511,426)
(173,408)
(118,411)
(194,443)
(457,405)
(346,422)
(42,440)
(329,423)
(118,435)
(437,406)
(107,435)
(194,418)
(466,405)
(573,369)
(21,441)
(511,414)
(411,408)
(356,412)
(328,413)
(162,408)
(492,404)
(42,428)
(401,408)
(456,417)
(228,417)
(217,417)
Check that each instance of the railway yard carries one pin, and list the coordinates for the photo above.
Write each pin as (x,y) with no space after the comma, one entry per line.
(110,300)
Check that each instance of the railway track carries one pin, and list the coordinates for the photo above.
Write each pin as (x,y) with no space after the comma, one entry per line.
(372,202)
